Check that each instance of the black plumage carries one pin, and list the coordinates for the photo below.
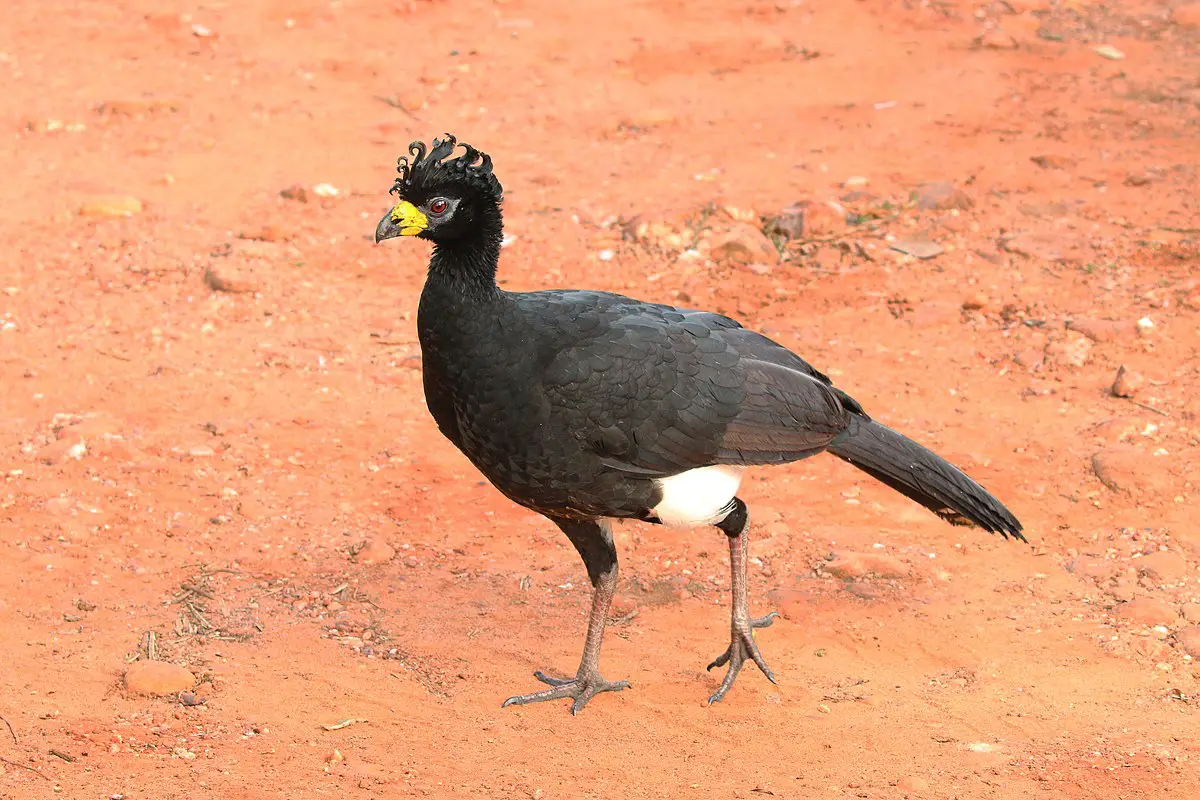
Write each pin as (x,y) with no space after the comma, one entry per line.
(588,406)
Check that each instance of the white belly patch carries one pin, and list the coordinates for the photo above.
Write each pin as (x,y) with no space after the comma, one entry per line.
(698,497)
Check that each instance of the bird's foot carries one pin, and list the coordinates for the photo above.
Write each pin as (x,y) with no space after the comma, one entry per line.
(742,648)
(582,688)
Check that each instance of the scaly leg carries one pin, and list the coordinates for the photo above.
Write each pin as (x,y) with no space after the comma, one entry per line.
(741,643)
(593,539)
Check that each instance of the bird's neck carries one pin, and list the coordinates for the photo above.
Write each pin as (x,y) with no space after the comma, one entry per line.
(468,266)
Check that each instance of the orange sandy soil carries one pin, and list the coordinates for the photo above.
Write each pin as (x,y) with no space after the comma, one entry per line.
(215,450)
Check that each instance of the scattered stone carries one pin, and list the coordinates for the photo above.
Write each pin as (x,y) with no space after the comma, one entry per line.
(1187,16)
(1109,52)
(743,244)
(1073,350)
(325,190)
(1101,330)
(1051,161)
(1163,566)
(295,192)
(1147,611)
(996,39)
(201,451)
(1145,326)
(1188,640)
(918,248)
(976,302)
(227,278)
(157,677)
(69,446)
(1144,178)
(942,196)
(115,206)
(808,219)
(376,551)
(738,214)
(1127,383)
(857,565)
(1120,429)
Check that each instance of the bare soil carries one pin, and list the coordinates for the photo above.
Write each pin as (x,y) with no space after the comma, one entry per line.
(215,450)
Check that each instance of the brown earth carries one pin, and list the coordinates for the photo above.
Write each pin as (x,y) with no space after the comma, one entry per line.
(216,453)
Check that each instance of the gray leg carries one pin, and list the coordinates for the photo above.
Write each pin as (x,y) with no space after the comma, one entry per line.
(741,644)
(593,539)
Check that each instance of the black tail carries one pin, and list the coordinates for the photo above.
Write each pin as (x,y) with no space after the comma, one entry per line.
(923,476)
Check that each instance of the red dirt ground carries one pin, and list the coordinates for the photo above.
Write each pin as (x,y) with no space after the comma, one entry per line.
(245,482)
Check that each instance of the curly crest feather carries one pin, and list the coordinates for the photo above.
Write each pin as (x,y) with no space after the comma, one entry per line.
(429,166)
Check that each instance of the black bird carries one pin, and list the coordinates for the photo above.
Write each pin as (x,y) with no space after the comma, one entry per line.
(588,406)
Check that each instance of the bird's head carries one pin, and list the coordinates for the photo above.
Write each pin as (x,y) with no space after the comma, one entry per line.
(447,200)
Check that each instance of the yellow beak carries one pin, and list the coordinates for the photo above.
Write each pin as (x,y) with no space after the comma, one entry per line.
(403,220)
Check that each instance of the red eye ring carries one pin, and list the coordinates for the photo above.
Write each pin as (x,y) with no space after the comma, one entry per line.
(439,206)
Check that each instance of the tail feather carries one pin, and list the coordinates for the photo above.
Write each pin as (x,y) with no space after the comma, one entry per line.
(923,476)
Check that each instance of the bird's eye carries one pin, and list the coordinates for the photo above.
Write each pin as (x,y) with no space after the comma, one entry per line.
(439,206)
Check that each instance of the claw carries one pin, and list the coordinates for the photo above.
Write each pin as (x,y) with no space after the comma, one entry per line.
(742,647)
(581,689)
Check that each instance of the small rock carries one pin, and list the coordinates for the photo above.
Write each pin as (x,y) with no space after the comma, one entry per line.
(1124,469)
(1147,611)
(1109,52)
(1051,161)
(1127,383)
(739,214)
(1191,612)
(807,219)
(976,302)
(325,190)
(158,677)
(1118,430)
(70,446)
(743,244)
(295,192)
(1071,351)
(912,783)
(1144,178)
(376,551)
(1188,640)
(857,565)
(996,39)
(942,196)
(1187,16)
(1164,566)
(115,206)
(201,451)
(1101,330)
(918,248)
(230,279)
